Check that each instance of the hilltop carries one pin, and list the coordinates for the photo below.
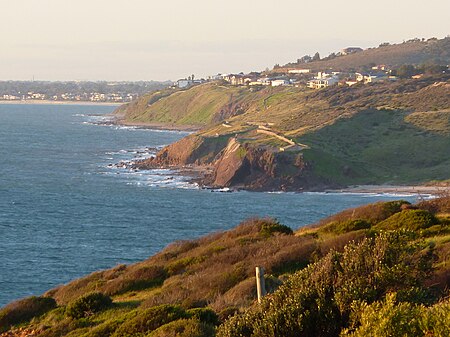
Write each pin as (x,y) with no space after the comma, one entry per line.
(383,267)
(415,51)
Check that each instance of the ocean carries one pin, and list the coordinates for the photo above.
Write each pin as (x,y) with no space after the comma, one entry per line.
(67,209)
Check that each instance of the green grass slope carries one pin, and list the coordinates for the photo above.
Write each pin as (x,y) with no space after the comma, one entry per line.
(198,106)
(321,281)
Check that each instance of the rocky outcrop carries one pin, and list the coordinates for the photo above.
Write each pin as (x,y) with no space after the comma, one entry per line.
(235,164)
(262,168)
(191,150)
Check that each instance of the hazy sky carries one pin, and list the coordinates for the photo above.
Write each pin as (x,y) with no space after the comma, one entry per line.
(169,39)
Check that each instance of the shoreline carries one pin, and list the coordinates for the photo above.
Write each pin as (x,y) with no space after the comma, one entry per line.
(196,173)
(395,189)
(49,102)
(155,126)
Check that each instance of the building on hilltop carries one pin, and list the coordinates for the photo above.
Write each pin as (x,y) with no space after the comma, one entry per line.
(370,77)
(350,50)
(323,80)
(184,83)
(279,82)
(299,71)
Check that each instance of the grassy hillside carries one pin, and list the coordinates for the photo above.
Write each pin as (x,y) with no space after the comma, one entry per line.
(198,106)
(392,132)
(381,256)
(412,52)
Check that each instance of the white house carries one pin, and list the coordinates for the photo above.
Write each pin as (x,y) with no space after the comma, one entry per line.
(277,83)
(184,83)
(323,80)
(370,78)
(299,71)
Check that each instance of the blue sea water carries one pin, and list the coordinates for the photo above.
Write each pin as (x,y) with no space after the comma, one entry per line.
(65,211)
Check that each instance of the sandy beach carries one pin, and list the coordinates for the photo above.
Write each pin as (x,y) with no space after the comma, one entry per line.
(397,189)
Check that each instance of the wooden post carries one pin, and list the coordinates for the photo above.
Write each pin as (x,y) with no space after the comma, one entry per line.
(260,283)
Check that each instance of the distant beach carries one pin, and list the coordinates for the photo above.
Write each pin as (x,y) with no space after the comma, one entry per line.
(391,189)
(46,102)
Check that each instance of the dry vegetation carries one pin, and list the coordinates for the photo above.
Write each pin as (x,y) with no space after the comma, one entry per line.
(216,272)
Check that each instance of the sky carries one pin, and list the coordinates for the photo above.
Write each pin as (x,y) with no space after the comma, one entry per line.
(169,39)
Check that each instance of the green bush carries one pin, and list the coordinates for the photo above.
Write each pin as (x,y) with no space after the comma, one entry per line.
(227,312)
(415,219)
(436,320)
(389,208)
(24,310)
(346,226)
(398,319)
(184,328)
(269,227)
(87,305)
(385,318)
(205,315)
(317,300)
(149,320)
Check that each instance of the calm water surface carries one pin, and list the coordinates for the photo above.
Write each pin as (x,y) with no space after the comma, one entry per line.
(64,212)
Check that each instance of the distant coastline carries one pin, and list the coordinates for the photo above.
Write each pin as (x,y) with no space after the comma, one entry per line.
(48,102)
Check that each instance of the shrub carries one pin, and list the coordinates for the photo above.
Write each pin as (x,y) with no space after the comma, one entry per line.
(346,226)
(205,315)
(179,266)
(436,320)
(409,219)
(316,301)
(399,319)
(24,310)
(87,305)
(136,279)
(184,328)
(438,205)
(269,227)
(372,213)
(150,319)
(227,312)
(385,319)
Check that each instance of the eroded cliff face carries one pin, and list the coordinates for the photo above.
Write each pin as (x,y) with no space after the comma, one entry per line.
(262,168)
(239,165)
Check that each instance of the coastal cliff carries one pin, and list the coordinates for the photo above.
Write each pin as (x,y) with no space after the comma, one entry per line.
(229,162)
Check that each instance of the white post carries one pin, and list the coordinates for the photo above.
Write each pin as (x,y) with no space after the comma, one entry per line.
(260,283)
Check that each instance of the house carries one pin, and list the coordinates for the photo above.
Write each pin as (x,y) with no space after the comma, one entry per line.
(299,71)
(323,80)
(370,78)
(380,67)
(184,83)
(350,50)
(277,83)
(351,82)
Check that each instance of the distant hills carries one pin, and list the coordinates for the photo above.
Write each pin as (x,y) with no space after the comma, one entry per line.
(414,51)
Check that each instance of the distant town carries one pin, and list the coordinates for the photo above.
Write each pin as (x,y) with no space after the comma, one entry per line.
(76,91)
(298,74)
(291,75)
(302,74)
